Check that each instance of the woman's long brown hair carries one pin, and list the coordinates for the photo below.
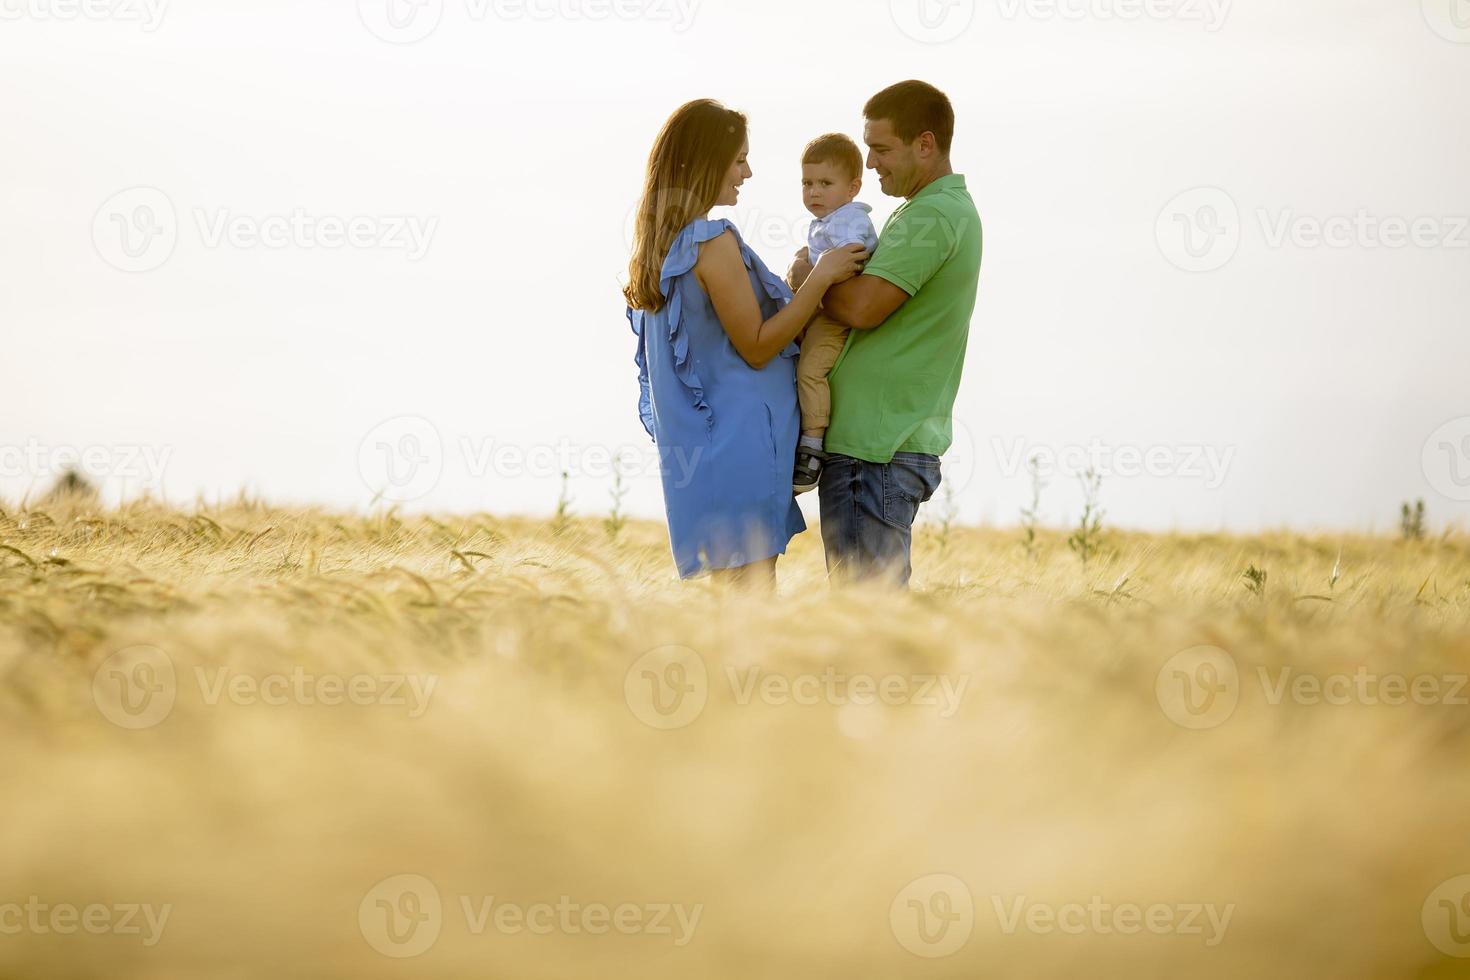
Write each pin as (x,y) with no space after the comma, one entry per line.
(689,160)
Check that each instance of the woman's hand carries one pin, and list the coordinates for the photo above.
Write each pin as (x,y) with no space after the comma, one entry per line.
(839,265)
(801,268)
(722,272)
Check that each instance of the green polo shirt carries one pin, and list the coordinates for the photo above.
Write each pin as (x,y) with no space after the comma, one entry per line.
(893,387)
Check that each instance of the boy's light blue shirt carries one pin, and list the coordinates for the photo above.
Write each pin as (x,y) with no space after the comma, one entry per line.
(848,225)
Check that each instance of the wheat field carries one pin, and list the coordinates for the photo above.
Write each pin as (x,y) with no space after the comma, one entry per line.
(247,741)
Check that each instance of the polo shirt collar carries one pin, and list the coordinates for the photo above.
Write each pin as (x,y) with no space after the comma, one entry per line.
(943,183)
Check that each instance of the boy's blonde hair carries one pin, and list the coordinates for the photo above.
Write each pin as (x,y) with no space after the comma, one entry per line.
(838,149)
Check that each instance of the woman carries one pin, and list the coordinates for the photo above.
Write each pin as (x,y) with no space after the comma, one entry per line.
(716,358)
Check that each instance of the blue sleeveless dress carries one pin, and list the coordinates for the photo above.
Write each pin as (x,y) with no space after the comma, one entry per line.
(726,433)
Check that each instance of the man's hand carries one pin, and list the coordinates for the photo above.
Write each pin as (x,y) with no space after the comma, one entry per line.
(801,267)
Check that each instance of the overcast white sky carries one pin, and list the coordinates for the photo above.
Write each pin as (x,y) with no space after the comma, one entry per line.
(464,339)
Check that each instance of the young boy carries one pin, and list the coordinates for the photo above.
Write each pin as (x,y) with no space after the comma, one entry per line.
(831,176)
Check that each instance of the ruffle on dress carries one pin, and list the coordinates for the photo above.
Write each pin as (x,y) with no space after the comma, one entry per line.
(683,254)
(640,358)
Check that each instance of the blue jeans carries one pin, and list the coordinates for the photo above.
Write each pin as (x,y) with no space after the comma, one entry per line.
(868,512)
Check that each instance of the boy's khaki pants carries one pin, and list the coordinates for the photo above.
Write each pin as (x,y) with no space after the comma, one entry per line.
(820,345)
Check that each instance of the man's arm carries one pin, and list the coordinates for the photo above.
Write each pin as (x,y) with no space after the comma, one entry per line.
(913,248)
(863,302)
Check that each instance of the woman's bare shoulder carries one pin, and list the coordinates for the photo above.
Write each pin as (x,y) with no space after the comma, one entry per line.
(723,245)
(719,254)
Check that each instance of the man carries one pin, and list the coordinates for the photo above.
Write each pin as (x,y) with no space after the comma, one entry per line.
(894,386)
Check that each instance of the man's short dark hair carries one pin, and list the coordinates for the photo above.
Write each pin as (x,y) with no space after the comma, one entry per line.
(915,108)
